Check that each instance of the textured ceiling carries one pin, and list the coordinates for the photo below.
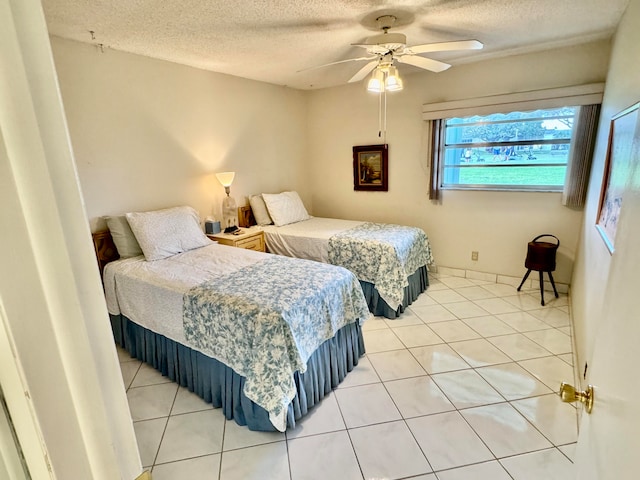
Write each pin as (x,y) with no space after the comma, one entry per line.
(272,40)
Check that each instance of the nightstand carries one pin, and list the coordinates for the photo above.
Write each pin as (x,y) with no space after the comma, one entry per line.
(250,238)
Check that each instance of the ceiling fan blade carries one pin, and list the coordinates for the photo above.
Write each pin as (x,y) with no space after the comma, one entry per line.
(446,46)
(373,48)
(425,63)
(336,63)
(364,71)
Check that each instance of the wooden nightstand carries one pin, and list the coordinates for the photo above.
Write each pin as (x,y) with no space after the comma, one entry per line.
(251,239)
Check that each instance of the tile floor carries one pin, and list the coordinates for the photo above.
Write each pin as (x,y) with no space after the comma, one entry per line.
(462,386)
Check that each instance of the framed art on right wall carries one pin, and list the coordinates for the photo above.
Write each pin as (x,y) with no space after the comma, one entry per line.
(618,165)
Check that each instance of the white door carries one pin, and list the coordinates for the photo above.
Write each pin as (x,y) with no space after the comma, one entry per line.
(12,464)
(609,441)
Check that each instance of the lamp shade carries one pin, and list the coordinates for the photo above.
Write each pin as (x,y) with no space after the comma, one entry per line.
(376,82)
(226,178)
(393,82)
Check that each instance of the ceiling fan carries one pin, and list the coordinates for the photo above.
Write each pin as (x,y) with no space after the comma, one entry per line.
(386,48)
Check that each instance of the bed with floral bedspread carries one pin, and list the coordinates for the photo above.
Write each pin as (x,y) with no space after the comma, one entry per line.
(264,337)
(390,261)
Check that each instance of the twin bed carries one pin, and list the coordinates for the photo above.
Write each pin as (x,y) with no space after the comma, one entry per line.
(390,261)
(263,337)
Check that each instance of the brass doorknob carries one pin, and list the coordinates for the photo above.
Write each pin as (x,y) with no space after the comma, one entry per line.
(569,394)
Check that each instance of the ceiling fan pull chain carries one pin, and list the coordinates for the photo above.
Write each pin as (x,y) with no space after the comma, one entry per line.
(380,114)
(383,116)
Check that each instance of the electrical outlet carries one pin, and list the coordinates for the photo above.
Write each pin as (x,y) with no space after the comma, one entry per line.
(474,256)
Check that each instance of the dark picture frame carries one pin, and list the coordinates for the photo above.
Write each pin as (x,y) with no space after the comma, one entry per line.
(618,165)
(371,168)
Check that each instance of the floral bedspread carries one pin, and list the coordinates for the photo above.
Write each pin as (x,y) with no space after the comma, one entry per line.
(265,320)
(382,254)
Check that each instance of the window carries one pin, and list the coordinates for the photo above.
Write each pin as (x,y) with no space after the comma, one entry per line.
(514,151)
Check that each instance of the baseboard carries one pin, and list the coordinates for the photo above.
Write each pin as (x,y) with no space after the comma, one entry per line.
(531,283)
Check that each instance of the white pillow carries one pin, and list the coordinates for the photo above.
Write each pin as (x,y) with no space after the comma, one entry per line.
(259,209)
(163,233)
(285,208)
(123,238)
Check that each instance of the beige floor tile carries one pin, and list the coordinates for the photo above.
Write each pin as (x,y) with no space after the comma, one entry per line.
(505,431)
(439,358)
(556,420)
(148,435)
(513,381)
(479,352)
(206,467)
(329,455)
(552,339)
(418,396)
(417,336)
(519,347)
(433,313)
(446,296)
(395,365)
(323,417)
(481,471)
(465,388)
(366,405)
(192,435)
(489,326)
(448,441)
(522,321)
(467,309)
(475,293)
(549,370)
(362,374)
(388,450)
(238,436)
(406,319)
(548,464)
(254,463)
(454,331)
(496,306)
(151,401)
(381,341)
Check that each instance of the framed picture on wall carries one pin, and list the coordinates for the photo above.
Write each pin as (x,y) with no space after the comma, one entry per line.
(370,167)
(618,165)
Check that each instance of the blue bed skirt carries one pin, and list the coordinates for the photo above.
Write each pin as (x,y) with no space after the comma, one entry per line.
(418,283)
(220,385)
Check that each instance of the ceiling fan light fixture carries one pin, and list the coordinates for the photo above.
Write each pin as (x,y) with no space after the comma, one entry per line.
(385,77)
(376,83)
(393,82)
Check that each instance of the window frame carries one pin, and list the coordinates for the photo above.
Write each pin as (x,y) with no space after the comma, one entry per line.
(442,144)
(579,95)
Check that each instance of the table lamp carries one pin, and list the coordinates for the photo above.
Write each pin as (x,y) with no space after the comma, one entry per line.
(229,208)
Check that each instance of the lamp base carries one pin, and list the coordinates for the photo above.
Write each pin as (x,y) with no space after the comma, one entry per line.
(229,214)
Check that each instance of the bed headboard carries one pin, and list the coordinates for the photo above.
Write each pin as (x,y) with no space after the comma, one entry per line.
(105,248)
(245,217)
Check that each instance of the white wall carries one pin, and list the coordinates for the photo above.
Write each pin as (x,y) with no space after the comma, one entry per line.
(497,224)
(150,134)
(593,260)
